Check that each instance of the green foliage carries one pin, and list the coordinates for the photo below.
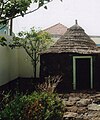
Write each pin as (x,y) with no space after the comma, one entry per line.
(14,8)
(13,110)
(3,41)
(44,106)
(10,8)
(33,41)
(37,106)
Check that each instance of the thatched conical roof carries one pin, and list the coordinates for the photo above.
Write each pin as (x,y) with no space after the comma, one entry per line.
(75,40)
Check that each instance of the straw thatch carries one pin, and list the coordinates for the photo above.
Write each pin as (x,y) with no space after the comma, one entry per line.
(75,40)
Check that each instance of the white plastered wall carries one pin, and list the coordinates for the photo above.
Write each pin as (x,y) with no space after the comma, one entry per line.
(14,73)
(25,65)
(8,65)
(4,65)
(14,63)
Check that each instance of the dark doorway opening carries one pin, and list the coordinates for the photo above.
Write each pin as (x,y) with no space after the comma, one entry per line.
(83,74)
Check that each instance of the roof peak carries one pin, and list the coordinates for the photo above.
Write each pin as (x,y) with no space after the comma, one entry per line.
(55,25)
(76,22)
(76,26)
(57,29)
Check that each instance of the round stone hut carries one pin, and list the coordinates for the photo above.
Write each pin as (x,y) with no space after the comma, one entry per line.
(76,58)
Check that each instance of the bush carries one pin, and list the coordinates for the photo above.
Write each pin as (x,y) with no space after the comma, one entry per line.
(37,106)
(13,110)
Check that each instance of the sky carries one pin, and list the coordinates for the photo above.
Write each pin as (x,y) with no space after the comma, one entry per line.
(87,12)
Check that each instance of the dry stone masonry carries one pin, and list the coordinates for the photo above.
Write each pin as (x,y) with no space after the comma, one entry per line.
(81,106)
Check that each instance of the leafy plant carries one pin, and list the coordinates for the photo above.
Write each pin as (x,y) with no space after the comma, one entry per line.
(5,98)
(13,110)
(44,106)
(37,106)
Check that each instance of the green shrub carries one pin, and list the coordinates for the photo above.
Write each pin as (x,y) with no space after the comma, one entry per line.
(13,110)
(37,106)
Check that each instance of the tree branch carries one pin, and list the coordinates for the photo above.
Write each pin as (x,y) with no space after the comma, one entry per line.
(25,13)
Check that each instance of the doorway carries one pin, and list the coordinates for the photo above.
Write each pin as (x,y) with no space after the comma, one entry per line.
(82,73)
